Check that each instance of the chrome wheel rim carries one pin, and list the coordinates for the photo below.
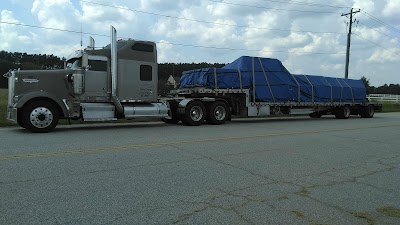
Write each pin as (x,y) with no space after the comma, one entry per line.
(41,117)
(346,112)
(196,113)
(370,111)
(219,113)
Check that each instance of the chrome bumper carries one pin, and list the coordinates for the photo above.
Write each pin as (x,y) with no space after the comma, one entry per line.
(12,114)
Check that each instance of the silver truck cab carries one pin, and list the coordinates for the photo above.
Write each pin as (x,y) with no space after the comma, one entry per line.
(114,82)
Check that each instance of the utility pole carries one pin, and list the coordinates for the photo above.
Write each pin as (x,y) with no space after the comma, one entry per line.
(348,40)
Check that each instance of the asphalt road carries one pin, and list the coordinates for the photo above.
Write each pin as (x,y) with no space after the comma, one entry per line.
(262,171)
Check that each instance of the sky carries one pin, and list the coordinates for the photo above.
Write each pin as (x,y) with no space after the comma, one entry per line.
(308,36)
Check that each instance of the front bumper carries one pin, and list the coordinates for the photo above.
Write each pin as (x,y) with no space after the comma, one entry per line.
(12,114)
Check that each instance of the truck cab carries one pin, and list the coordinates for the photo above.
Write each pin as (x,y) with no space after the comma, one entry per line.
(118,81)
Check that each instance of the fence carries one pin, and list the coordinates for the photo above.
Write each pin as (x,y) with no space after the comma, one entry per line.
(384,98)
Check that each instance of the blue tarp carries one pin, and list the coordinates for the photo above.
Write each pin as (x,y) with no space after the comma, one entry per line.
(274,83)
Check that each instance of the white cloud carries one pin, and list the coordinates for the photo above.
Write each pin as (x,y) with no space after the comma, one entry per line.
(392,8)
(383,55)
(9,36)
(365,5)
(59,14)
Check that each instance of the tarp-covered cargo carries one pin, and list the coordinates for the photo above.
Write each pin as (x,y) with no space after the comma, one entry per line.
(270,81)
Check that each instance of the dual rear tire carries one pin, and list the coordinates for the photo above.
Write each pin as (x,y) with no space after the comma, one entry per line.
(367,111)
(343,112)
(196,113)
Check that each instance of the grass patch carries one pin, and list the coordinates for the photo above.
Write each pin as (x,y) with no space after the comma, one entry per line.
(366,216)
(389,211)
(390,107)
(3,108)
(304,191)
(283,197)
(298,213)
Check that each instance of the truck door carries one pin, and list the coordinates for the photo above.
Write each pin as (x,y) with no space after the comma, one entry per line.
(96,78)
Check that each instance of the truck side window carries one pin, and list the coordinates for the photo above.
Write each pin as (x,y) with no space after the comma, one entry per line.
(98,65)
(146,73)
(142,47)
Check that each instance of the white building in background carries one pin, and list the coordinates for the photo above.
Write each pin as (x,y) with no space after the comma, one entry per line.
(171,81)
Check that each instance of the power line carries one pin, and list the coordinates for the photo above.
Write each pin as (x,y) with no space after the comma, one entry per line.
(394,38)
(261,7)
(54,29)
(208,22)
(250,50)
(178,44)
(375,44)
(381,22)
(305,3)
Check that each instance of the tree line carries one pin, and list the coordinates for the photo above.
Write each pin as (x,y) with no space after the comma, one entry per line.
(24,61)
(392,89)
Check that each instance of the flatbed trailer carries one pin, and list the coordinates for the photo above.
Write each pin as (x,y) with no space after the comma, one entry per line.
(218,105)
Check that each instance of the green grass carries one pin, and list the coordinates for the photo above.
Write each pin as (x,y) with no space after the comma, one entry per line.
(3,108)
(390,107)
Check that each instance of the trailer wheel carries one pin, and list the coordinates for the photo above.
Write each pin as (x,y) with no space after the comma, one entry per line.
(218,113)
(343,112)
(40,117)
(195,113)
(367,112)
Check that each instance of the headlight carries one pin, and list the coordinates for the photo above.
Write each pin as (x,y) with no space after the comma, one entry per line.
(15,99)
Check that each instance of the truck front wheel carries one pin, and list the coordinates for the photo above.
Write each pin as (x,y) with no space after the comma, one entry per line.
(195,113)
(40,117)
(218,113)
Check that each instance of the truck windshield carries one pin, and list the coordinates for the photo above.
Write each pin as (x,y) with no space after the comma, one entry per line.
(74,63)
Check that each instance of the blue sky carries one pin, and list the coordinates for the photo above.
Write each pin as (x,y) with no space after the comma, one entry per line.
(308,36)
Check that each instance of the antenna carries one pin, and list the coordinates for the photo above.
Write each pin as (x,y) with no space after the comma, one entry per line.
(81,38)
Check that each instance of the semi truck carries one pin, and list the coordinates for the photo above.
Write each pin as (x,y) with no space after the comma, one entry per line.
(119,81)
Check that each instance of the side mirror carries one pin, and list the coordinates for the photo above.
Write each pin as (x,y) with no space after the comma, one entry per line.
(85,61)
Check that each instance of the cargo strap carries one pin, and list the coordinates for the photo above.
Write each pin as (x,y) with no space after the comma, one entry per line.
(298,88)
(240,79)
(215,78)
(266,78)
(254,81)
(341,93)
(312,88)
(331,89)
(351,89)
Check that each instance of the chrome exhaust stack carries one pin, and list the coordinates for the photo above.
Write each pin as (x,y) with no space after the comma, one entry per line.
(91,43)
(114,71)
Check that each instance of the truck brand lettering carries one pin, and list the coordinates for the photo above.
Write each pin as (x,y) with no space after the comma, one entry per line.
(26,80)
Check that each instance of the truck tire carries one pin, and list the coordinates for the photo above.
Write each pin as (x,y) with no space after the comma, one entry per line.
(172,120)
(195,113)
(343,112)
(315,115)
(40,116)
(19,119)
(218,113)
(367,112)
